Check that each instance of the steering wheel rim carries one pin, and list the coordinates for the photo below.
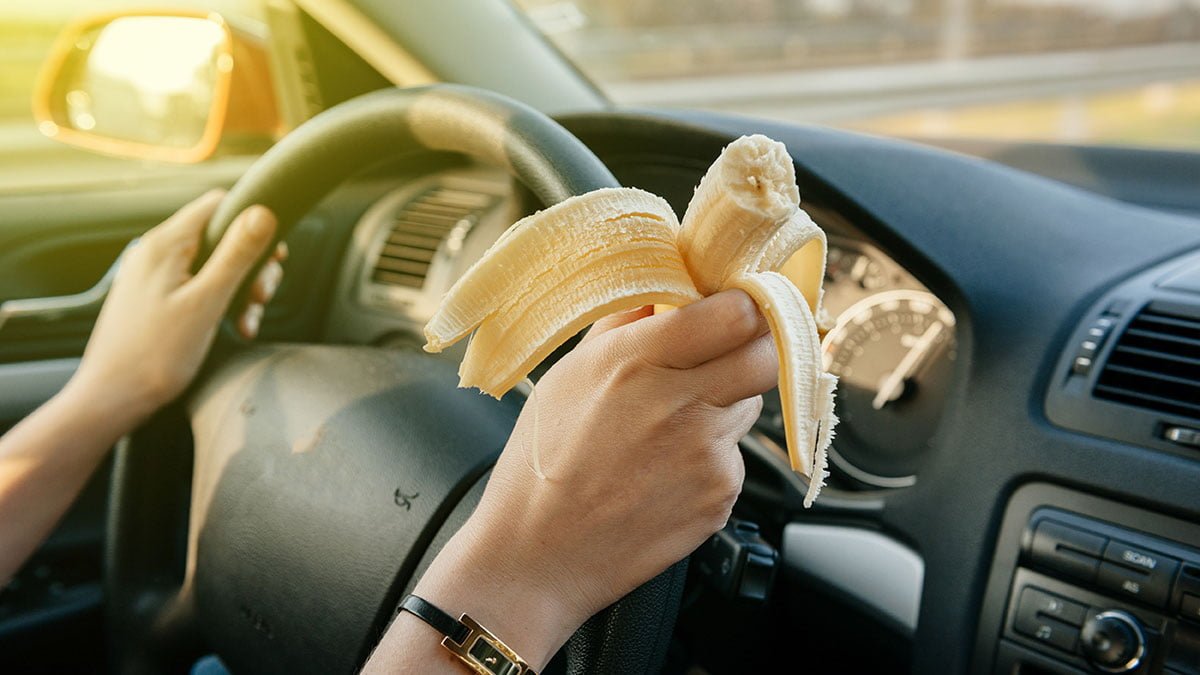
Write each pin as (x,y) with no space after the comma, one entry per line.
(297,172)
(154,622)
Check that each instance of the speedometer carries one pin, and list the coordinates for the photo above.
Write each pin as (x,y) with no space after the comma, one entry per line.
(893,353)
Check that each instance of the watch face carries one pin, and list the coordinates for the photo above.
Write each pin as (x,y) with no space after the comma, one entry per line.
(495,662)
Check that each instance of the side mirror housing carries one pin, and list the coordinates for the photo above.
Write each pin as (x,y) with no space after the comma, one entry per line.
(165,86)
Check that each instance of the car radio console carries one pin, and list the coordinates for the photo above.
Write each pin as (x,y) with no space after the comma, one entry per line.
(1086,585)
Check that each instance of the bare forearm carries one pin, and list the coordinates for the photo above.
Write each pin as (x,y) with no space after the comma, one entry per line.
(148,343)
(44,463)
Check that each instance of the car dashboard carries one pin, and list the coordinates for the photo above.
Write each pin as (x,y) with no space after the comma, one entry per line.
(1013,480)
(960,293)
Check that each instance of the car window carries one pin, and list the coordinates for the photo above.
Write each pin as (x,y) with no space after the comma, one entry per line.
(30,162)
(1102,71)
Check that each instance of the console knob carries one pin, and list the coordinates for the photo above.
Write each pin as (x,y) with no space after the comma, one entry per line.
(1113,641)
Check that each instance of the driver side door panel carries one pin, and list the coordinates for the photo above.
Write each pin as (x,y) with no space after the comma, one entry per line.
(55,244)
(60,243)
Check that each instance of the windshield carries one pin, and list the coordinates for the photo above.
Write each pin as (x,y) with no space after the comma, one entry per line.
(1080,71)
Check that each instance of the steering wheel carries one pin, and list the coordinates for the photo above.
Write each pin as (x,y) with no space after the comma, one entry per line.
(323,479)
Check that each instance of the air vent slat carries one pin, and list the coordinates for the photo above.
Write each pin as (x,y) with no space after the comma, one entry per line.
(1153,354)
(436,210)
(1155,364)
(400,265)
(1150,374)
(417,231)
(430,218)
(1148,400)
(1153,335)
(407,252)
(461,199)
(1160,320)
(420,241)
(398,279)
(411,226)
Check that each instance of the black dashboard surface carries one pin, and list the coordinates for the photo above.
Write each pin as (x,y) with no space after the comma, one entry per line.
(1018,259)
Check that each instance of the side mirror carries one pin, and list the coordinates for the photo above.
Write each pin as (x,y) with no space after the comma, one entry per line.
(163,86)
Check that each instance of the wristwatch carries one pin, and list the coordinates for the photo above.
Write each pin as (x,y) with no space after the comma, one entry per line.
(473,644)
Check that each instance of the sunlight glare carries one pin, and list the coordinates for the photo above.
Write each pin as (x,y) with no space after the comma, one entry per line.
(160,55)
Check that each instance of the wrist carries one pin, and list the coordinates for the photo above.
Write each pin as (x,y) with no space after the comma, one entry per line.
(472,576)
(106,409)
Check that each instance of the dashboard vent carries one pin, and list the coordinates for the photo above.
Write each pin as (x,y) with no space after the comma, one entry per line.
(1156,363)
(420,227)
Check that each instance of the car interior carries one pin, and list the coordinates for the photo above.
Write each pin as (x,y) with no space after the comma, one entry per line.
(1027,503)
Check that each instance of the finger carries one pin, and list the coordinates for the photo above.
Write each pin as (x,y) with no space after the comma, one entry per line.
(236,254)
(699,332)
(250,320)
(163,256)
(617,320)
(266,282)
(281,252)
(743,373)
(166,252)
(186,224)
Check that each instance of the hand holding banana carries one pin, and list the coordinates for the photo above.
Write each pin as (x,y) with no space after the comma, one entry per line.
(559,270)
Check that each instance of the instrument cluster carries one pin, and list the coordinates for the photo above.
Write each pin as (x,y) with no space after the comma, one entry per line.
(893,350)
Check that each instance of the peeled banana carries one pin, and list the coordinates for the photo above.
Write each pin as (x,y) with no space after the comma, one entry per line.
(559,270)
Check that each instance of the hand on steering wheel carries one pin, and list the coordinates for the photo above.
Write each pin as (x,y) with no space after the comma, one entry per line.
(160,319)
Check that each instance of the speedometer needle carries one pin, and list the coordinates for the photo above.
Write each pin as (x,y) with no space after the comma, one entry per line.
(890,389)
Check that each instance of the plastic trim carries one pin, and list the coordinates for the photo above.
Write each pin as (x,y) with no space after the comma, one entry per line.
(873,568)
(25,386)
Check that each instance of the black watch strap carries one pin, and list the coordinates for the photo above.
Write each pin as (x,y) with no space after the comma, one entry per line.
(441,621)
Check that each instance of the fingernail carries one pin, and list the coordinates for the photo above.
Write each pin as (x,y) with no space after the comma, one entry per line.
(282,252)
(259,222)
(252,319)
(272,278)
(215,193)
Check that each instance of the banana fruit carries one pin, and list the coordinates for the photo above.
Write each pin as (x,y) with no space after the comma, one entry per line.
(559,270)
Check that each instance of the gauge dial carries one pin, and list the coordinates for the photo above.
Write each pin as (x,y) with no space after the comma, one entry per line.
(893,353)
(849,265)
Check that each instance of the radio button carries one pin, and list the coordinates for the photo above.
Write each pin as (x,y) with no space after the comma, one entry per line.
(1133,556)
(1047,631)
(1150,587)
(1047,605)
(1067,550)
(1190,607)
